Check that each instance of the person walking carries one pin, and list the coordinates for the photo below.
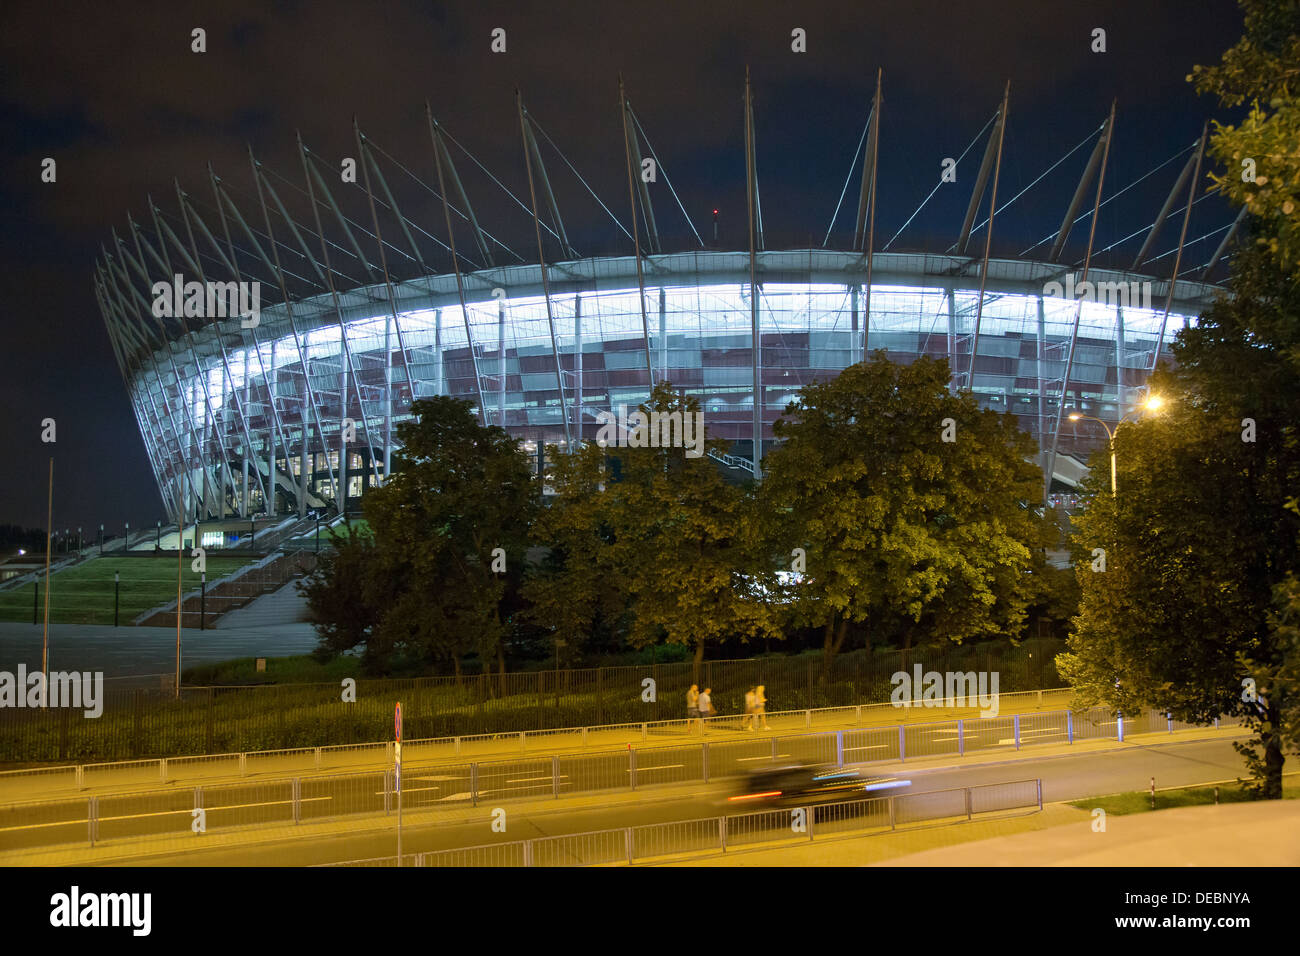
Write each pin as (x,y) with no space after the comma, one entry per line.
(747,722)
(692,707)
(706,707)
(760,706)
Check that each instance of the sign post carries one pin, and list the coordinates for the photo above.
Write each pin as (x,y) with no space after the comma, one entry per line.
(397,765)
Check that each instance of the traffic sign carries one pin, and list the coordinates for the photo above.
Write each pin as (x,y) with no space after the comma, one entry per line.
(397,722)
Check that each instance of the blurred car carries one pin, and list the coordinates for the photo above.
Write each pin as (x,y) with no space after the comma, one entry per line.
(804,784)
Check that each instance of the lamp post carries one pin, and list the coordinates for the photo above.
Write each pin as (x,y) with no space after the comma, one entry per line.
(1152,404)
(117,584)
(157,541)
(101,540)
(126,534)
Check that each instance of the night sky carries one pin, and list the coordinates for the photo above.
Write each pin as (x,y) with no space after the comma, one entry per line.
(125,107)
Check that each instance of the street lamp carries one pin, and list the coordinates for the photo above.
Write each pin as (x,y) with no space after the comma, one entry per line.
(1153,404)
(101,540)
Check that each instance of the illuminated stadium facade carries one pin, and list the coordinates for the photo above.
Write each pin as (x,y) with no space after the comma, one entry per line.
(243,418)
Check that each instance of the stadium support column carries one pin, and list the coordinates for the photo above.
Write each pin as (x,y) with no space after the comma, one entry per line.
(1050,464)
(952,336)
(343,432)
(1041,354)
(1178,258)
(755,340)
(577,363)
(636,238)
(988,238)
(530,147)
(248,449)
(853,322)
(1119,360)
(663,335)
(388,396)
(272,386)
(501,363)
(460,282)
(437,348)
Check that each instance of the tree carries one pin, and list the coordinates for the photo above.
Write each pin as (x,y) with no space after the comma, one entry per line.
(1260,159)
(681,530)
(451,530)
(913,505)
(342,594)
(1200,542)
(578,592)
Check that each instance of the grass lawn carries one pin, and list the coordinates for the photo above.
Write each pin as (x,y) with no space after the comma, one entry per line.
(84,594)
(1139,801)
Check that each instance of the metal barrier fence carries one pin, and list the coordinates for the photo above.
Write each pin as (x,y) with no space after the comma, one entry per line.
(723,833)
(435,790)
(355,756)
(220,720)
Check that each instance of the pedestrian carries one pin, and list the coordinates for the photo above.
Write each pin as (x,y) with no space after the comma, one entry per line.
(706,706)
(692,707)
(760,705)
(747,722)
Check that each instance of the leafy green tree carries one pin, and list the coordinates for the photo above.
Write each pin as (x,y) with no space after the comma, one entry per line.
(451,527)
(681,530)
(1259,155)
(578,591)
(1200,541)
(913,506)
(343,594)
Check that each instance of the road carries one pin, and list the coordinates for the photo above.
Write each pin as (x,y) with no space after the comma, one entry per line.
(1064,776)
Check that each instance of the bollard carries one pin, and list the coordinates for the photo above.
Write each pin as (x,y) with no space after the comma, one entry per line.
(631,765)
(705,760)
(968,803)
(297,799)
(1119,726)
(162,770)
(891,813)
(901,744)
(243,764)
(1069,726)
(722,832)
(555,777)
(1153,793)
(473,785)
(961,739)
(627,841)
(317,758)
(92,818)
(81,777)
(458,745)
(1016,720)
(1216,796)
(643,731)
(1170,718)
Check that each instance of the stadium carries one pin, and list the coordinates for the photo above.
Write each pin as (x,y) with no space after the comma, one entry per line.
(291,407)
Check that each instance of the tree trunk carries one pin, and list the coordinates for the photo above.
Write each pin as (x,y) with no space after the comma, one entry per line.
(832,641)
(697,662)
(1273,756)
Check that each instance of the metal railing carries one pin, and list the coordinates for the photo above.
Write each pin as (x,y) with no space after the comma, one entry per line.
(353,756)
(218,720)
(626,845)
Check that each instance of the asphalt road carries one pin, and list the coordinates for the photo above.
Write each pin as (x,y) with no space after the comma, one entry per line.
(1065,777)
